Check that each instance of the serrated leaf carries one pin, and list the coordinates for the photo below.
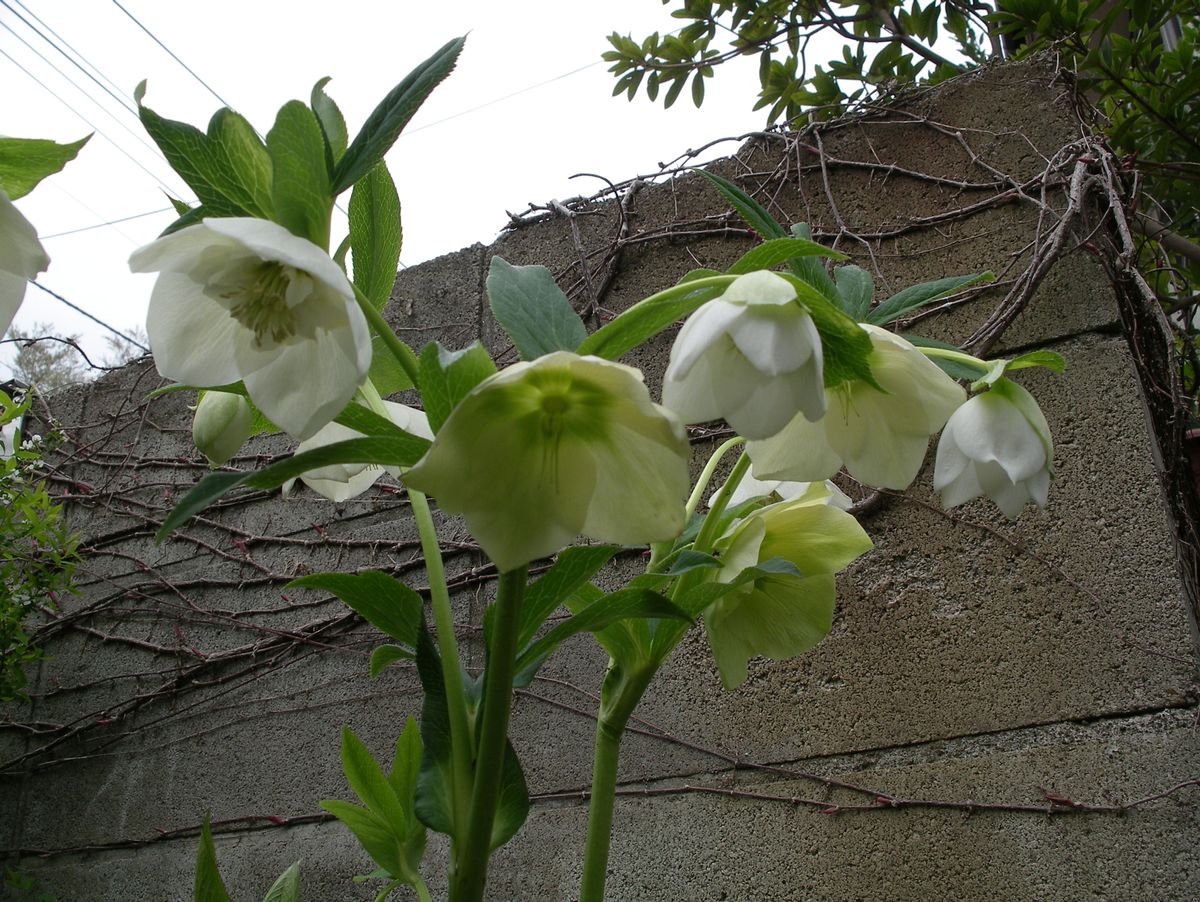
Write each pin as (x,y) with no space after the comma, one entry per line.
(369,783)
(917,296)
(621,605)
(856,289)
(650,316)
(532,309)
(370,831)
(379,598)
(846,345)
(570,572)
(245,176)
(406,762)
(747,207)
(26,161)
(331,120)
(810,269)
(771,253)
(388,119)
(448,376)
(400,450)
(375,234)
(286,887)
(208,886)
(300,177)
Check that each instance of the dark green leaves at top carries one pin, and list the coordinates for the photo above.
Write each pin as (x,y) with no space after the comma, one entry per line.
(388,119)
(243,162)
(208,887)
(810,269)
(771,253)
(26,161)
(915,297)
(846,345)
(747,207)
(533,310)
(375,234)
(333,123)
(448,376)
(855,289)
(300,180)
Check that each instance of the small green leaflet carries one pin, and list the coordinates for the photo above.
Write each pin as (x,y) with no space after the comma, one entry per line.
(533,310)
(208,887)
(26,161)
(333,123)
(915,297)
(379,598)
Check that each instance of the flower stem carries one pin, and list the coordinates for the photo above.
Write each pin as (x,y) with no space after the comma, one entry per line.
(443,619)
(958,357)
(610,729)
(660,550)
(422,890)
(403,353)
(471,858)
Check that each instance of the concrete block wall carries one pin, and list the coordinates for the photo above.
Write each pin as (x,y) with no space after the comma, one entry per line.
(992,699)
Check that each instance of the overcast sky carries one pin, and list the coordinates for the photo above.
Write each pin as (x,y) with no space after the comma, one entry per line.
(529,105)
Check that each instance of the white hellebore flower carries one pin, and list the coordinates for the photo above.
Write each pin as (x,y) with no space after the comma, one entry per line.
(780,615)
(552,448)
(997,444)
(221,424)
(246,300)
(880,437)
(21,259)
(751,356)
(341,482)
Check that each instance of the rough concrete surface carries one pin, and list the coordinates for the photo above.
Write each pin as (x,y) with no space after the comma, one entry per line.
(1004,710)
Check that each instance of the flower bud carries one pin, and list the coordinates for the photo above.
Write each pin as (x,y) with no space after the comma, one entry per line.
(222,423)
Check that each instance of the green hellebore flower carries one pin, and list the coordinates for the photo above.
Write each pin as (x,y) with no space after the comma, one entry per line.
(556,447)
(221,424)
(780,615)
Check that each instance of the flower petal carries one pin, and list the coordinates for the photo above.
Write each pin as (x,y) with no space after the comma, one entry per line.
(799,452)
(193,339)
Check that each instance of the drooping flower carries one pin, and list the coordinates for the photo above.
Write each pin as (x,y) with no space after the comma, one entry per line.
(751,356)
(556,447)
(997,444)
(880,436)
(246,300)
(341,482)
(21,259)
(221,424)
(780,615)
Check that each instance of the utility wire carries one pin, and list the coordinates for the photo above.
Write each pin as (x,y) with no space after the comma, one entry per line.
(103,87)
(95,319)
(208,87)
(101,225)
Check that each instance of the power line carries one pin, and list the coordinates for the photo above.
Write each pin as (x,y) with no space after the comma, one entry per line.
(95,319)
(109,222)
(120,100)
(208,87)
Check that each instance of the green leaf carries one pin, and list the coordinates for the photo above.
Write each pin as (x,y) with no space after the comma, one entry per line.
(917,296)
(402,450)
(648,317)
(26,161)
(856,289)
(369,829)
(771,253)
(434,793)
(810,269)
(846,345)
(375,234)
(300,179)
(208,886)
(369,783)
(747,207)
(533,310)
(388,119)
(381,599)
(448,376)
(198,160)
(512,808)
(331,120)
(245,174)
(1049,359)
(690,559)
(385,656)
(571,571)
(406,762)
(286,887)
(386,373)
(621,605)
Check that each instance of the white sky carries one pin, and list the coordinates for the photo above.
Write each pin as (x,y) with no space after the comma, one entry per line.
(529,105)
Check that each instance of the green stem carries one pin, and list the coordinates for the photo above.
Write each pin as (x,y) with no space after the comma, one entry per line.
(471,859)
(958,357)
(403,353)
(443,619)
(610,728)
(422,890)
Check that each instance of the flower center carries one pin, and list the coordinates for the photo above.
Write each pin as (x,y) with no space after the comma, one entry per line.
(259,296)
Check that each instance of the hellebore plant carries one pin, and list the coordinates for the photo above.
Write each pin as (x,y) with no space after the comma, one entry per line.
(564,443)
